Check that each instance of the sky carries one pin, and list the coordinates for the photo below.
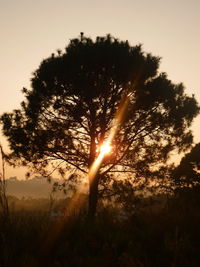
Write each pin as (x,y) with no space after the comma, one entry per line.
(31,30)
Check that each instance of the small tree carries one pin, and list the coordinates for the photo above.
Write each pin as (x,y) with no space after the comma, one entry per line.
(186,181)
(70,110)
(187,173)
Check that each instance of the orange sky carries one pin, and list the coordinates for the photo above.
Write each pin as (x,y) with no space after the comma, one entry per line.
(32,30)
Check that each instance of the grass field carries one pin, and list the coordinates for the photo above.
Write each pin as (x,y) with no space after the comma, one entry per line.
(152,236)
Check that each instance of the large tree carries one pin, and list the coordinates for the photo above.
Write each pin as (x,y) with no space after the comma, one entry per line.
(75,102)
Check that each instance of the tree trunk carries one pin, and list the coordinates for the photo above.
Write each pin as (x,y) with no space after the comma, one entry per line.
(93,176)
(93,197)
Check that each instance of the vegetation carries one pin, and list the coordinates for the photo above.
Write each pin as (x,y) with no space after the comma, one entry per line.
(186,174)
(155,235)
(96,93)
(3,196)
(101,110)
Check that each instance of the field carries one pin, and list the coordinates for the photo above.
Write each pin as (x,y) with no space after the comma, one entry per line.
(157,233)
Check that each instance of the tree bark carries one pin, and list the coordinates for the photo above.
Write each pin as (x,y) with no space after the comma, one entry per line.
(93,181)
(93,197)
(93,177)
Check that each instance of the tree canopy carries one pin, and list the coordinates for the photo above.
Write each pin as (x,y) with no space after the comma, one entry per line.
(72,105)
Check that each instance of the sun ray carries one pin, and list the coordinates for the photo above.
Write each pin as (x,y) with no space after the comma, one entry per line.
(117,121)
(106,148)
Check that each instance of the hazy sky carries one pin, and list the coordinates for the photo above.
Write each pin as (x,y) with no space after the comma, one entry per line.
(30,30)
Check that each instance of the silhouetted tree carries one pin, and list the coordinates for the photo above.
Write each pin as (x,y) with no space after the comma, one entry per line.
(73,102)
(186,182)
(187,173)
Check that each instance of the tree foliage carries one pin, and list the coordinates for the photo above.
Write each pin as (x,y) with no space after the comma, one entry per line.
(73,100)
(187,173)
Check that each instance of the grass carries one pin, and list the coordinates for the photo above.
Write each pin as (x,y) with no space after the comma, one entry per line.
(164,237)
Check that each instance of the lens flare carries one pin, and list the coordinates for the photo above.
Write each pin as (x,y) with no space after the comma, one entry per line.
(105,148)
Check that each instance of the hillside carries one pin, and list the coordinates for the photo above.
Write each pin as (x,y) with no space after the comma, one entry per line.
(37,187)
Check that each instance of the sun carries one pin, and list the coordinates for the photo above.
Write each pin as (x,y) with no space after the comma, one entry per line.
(105,148)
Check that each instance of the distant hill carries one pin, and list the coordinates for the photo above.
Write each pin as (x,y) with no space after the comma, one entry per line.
(37,187)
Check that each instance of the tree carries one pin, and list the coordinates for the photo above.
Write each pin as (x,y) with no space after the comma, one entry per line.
(187,173)
(186,181)
(79,96)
